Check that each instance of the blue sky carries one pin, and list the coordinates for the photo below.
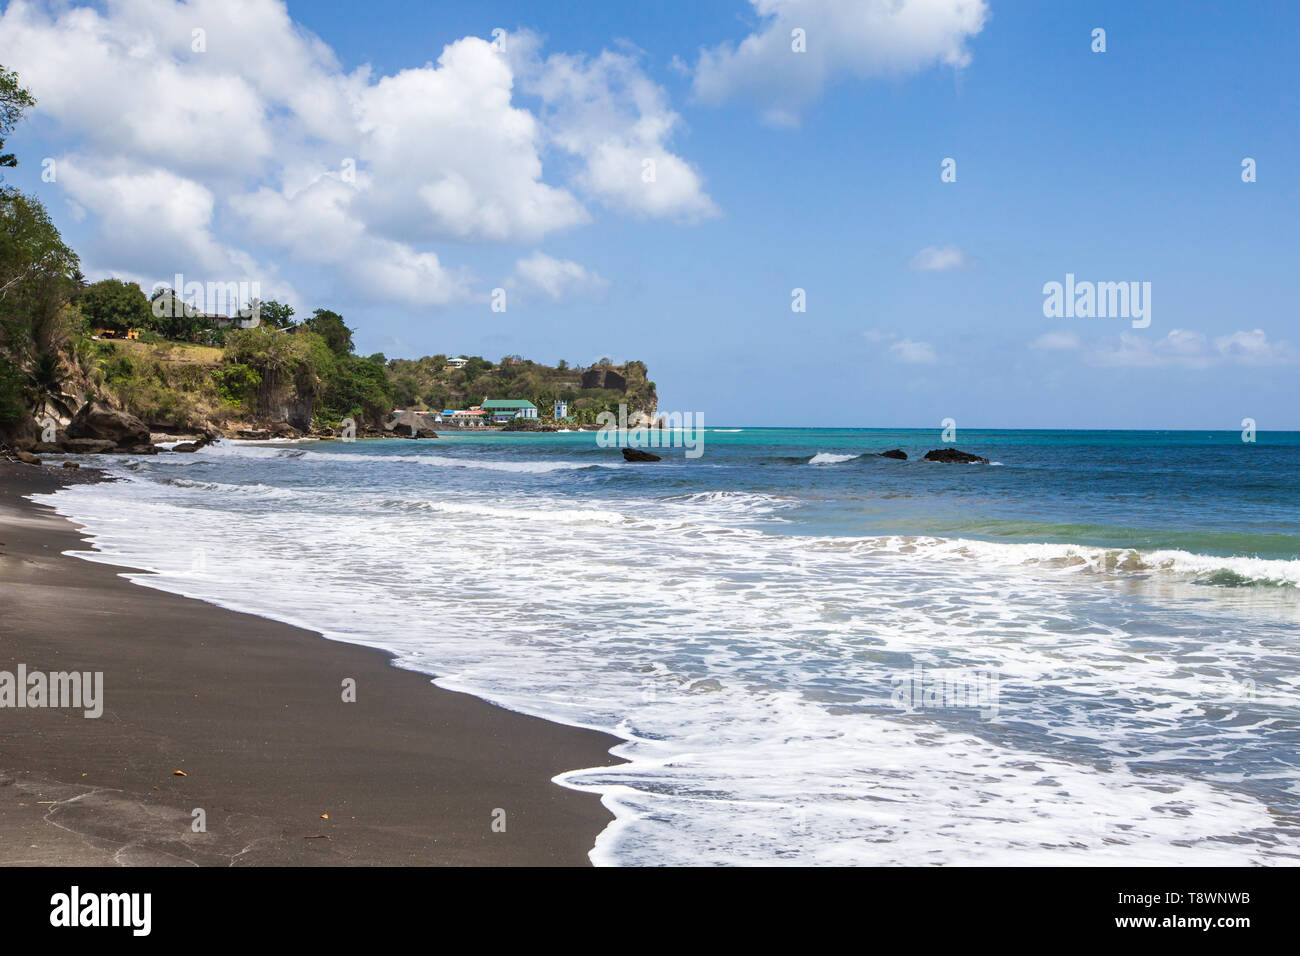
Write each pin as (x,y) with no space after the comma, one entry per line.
(780,170)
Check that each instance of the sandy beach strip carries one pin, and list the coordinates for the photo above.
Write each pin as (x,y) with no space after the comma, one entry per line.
(252,712)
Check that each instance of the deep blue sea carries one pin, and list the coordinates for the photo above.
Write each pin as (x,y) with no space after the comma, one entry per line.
(1087,651)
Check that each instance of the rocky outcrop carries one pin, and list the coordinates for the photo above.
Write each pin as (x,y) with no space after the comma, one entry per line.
(412,425)
(894,453)
(636,454)
(953,456)
(97,421)
(27,458)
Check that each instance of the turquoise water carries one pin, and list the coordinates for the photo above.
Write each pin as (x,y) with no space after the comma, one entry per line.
(1087,651)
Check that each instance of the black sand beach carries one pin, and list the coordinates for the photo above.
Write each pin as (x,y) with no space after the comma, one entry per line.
(251,712)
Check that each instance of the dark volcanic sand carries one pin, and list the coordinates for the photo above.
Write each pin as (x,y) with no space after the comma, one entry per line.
(251,711)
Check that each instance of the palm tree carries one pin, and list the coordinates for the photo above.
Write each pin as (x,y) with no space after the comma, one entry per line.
(45,385)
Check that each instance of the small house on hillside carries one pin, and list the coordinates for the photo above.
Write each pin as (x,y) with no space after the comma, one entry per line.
(454,363)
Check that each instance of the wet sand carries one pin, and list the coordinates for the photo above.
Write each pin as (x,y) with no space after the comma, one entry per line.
(252,712)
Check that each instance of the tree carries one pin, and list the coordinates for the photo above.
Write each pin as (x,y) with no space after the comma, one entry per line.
(14,100)
(277,314)
(329,326)
(358,389)
(116,305)
(174,318)
(38,275)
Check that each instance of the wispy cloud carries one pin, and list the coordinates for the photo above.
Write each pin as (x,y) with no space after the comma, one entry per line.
(1179,348)
(911,352)
(939,259)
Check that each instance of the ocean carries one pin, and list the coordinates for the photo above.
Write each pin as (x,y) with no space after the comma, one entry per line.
(1086,652)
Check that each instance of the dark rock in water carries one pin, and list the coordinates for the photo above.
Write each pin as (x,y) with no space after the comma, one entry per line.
(253,434)
(86,446)
(952,455)
(27,458)
(636,454)
(96,420)
(133,450)
(192,446)
(70,464)
(894,453)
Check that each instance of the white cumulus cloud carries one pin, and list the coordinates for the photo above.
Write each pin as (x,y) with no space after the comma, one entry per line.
(556,278)
(182,149)
(842,39)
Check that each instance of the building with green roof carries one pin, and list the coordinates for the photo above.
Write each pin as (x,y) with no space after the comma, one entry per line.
(505,409)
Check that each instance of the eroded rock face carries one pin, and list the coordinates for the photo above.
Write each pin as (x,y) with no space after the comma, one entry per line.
(636,454)
(96,420)
(600,377)
(894,453)
(953,456)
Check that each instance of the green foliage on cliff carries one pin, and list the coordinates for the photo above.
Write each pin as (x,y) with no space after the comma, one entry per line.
(428,384)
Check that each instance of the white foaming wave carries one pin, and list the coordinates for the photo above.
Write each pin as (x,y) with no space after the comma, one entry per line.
(1077,559)
(752,689)
(445,461)
(286,449)
(256,490)
(544,514)
(830,458)
(731,502)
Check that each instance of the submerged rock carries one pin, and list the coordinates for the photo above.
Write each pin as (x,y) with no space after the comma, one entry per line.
(952,455)
(894,453)
(70,464)
(636,454)
(86,446)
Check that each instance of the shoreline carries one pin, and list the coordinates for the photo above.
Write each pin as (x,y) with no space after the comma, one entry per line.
(251,711)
